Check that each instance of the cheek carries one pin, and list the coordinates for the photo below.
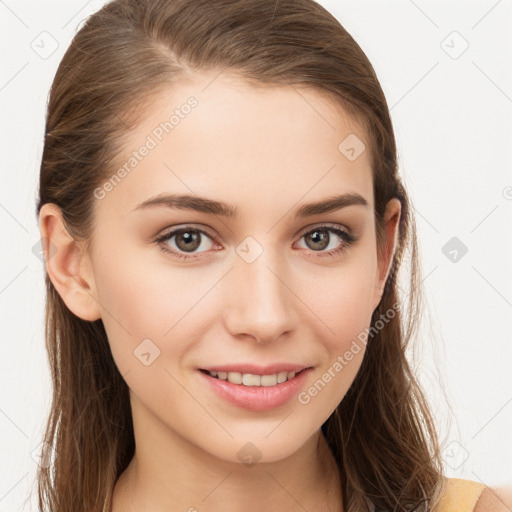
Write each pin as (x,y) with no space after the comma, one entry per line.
(141,299)
(346,301)
(346,310)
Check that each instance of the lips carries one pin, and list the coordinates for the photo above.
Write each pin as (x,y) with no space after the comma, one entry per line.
(253,387)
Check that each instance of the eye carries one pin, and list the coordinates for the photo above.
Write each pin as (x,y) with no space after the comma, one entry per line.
(187,240)
(320,238)
(183,243)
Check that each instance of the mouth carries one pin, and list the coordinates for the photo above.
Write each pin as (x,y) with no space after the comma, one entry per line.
(256,391)
(251,379)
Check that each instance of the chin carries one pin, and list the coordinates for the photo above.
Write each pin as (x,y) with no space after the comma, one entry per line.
(260,445)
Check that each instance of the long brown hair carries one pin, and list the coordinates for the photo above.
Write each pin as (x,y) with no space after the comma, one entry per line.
(381,434)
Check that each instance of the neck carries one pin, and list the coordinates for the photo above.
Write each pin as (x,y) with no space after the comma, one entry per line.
(167,474)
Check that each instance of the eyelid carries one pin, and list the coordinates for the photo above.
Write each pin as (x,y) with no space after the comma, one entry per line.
(319,225)
(168,232)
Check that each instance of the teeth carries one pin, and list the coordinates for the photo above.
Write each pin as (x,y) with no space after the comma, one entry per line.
(235,378)
(269,380)
(249,379)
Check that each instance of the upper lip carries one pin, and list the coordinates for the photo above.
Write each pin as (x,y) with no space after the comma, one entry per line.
(257,369)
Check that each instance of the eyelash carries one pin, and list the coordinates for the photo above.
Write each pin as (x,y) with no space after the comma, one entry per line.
(348,240)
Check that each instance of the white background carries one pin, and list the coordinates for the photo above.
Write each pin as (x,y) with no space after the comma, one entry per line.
(452,113)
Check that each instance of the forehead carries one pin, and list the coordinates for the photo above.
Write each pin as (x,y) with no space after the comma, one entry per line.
(220,137)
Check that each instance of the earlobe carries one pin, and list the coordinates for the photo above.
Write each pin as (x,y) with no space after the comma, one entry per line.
(386,253)
(64,260)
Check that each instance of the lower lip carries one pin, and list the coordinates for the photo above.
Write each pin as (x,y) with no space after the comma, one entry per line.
(257,398)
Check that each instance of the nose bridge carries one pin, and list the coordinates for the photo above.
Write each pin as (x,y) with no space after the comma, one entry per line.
(261,303)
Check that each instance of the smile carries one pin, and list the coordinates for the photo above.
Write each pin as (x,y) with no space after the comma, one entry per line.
(250,379)
(255,392)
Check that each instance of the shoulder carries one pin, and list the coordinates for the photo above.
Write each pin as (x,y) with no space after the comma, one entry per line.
(465,495)
(490,502)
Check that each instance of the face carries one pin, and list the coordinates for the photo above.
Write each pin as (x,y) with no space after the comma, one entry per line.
(272,289)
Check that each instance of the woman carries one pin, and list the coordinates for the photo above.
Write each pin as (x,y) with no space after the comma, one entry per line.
(223,225)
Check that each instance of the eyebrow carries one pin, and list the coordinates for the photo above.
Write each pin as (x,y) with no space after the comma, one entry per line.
(212,207)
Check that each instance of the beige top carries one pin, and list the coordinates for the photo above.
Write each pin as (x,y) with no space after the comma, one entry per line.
(460,495)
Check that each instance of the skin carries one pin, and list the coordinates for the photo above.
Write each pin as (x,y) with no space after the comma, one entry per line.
(489,501)
(267,151)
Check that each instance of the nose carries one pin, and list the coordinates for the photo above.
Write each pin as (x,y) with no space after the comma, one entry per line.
(260,300)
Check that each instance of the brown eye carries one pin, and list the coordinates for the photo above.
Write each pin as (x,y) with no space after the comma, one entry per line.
(186,243)
(318,239)
(321,238)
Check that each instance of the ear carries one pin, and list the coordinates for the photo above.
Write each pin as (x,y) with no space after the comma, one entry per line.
(386,252)
(67,265)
